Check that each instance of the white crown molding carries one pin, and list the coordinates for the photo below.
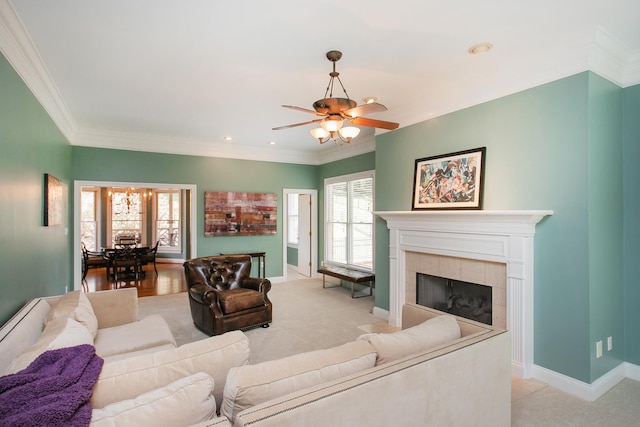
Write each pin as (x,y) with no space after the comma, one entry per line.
(172,145)
(613,60)
(17,47)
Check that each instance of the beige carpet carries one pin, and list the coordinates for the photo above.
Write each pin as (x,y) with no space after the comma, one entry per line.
(305,317)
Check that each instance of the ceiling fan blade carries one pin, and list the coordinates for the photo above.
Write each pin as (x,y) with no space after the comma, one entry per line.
(364,109)
(304,110)
(297,124)
(361,121)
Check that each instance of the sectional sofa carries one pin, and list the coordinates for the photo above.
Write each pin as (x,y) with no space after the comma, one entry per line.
(438,370)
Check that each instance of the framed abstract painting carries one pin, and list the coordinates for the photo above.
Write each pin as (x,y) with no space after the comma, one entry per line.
(449,181)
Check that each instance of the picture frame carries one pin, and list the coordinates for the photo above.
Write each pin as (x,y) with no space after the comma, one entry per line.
(449,181)
(53,199)
(228,213)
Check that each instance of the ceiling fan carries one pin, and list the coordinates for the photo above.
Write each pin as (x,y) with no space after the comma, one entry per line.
(335,111)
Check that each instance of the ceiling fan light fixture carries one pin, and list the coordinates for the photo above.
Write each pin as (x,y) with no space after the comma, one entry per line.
(331,124)
(320,134)
(348,133)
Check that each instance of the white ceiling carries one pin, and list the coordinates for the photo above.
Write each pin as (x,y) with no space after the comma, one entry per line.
(178,76)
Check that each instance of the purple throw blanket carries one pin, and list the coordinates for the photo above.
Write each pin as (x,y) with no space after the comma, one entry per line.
(54,390)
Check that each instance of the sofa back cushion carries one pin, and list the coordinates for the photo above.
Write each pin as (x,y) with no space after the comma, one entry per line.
(183,402)
(76,305)
(59,333)
(419,338)
(127,378)
(22,330)
(149,332)
(250,385)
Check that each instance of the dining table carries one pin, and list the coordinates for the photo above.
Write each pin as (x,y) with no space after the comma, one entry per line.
(109,253)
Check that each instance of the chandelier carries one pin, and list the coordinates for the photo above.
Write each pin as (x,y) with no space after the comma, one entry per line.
(131,200)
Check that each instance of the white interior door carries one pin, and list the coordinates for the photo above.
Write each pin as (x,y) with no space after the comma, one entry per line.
(304,234)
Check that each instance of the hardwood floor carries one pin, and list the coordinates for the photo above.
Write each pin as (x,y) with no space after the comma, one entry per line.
(170,280)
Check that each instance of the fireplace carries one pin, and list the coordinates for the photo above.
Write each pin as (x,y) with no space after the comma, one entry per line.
(465,299)
(492,248)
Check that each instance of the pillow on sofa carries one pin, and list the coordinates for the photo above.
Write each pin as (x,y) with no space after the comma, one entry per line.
(127,378)
(250,385)
(184,402)
(76,305)
(419,338)
(59,333)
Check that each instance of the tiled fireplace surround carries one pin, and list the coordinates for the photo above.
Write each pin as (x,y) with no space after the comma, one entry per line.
(493,248)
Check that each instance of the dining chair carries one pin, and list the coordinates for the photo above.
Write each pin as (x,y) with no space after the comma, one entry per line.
(125,257)
(149,256)
(91,259)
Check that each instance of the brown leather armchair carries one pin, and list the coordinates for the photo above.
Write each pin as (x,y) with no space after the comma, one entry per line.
(223,297)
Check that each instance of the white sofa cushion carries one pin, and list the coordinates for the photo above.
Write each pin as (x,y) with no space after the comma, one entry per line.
(184,402)
(127,338)
(416,339)
(250,385)
(125,379)
(76,305)
(59,333)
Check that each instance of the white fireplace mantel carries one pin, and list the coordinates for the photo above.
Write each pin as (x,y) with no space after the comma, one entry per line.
(496,236)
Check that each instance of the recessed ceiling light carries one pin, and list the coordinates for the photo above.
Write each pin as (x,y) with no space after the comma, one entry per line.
(272,143)
(370,99)
(480,48)
(228,138)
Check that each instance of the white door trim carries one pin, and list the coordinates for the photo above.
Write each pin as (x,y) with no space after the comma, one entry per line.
(77,186)
(314,228)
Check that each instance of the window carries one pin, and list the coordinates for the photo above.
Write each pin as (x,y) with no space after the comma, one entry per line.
(168,229)
(126,212)
(349,220)
(292,215)
(88,218)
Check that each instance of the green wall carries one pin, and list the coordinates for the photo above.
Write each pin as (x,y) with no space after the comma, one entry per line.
(605,223)
(292,256)
(631,203)
(34,260)
(208,174)
(540,143)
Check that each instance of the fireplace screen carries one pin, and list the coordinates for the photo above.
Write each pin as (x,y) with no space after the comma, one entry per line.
(462,299)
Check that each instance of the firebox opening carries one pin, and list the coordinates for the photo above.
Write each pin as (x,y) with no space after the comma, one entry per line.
(463,299)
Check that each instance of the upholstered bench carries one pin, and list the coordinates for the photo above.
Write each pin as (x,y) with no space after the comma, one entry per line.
(348,275)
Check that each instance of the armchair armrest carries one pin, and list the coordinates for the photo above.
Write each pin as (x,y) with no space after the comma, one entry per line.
(115,307)
(257,284)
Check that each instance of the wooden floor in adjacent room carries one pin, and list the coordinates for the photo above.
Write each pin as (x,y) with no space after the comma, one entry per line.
(170,280)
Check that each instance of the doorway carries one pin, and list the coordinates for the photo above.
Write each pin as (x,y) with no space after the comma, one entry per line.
(305,252)
(191,238)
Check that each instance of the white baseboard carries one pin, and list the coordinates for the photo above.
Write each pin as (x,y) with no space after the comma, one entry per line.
(381,313)
(589,392)
(169,260)
(633,371)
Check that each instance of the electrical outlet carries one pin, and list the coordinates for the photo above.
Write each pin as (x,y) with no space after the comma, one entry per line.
(609,343)
(599,349)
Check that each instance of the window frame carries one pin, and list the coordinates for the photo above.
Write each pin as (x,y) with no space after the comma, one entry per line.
(143,217)
(327,224)
(154,219)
